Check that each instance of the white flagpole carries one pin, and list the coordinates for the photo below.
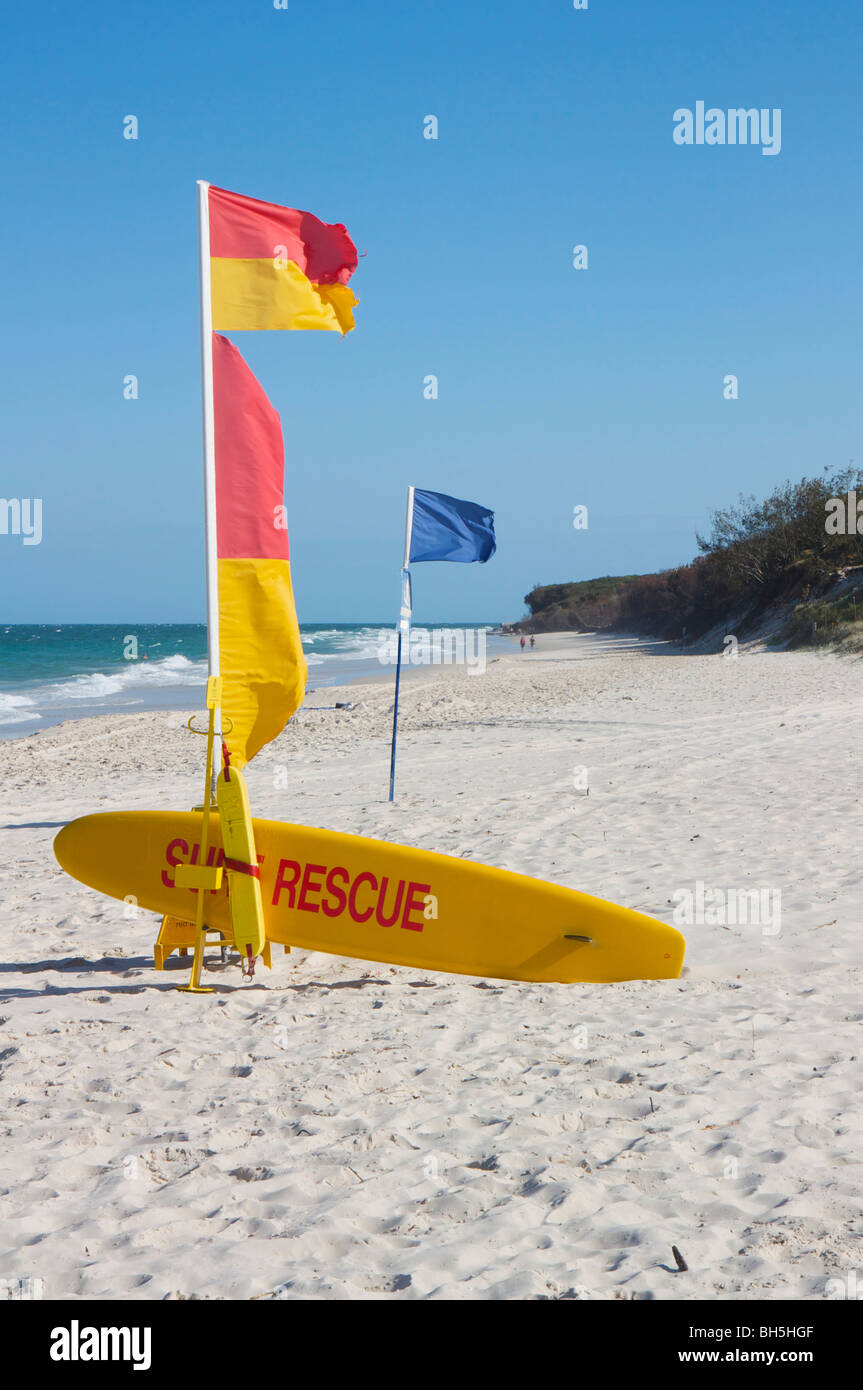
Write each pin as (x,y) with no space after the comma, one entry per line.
(404,624)
(214,726)
(213,668)
(409,526)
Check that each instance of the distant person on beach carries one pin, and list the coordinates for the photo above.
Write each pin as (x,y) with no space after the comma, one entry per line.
(532,643)
(522,642)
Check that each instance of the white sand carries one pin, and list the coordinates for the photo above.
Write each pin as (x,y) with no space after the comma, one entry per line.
(345,1130)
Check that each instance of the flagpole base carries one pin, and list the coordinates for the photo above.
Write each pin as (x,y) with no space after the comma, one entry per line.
(195,989)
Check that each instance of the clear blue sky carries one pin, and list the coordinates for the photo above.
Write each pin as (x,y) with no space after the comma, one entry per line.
(557,387)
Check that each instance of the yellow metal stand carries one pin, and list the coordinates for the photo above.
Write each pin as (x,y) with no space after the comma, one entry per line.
(174,935)
(178,935)
(199,875)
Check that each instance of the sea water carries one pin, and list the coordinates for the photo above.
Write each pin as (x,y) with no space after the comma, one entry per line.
(49,673)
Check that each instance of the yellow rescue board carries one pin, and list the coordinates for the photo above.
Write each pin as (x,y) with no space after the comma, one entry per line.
(366,898)
(241,865)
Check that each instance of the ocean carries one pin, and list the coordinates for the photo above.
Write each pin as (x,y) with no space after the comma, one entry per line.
(50,673)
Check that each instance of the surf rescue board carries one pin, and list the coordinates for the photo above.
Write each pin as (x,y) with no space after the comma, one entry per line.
(352,896)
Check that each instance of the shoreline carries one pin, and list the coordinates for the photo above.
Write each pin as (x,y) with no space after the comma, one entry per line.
(171,699)
(332,671)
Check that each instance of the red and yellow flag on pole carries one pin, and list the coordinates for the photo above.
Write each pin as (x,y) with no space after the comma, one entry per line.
(261,654)
(262,267)
(275,267)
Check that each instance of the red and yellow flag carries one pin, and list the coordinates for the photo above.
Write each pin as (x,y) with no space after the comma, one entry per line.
(261,653)
(275,267)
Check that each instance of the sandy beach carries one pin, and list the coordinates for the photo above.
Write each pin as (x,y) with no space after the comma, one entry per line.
(340,1129)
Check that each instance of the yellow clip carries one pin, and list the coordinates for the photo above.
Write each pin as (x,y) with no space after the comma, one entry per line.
(197,876)
(214,692)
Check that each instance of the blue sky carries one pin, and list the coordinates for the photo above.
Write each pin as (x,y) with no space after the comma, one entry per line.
(557,387)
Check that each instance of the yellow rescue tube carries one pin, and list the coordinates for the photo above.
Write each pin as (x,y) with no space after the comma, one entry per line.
(241,864)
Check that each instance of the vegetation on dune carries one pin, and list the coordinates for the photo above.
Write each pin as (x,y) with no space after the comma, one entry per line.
(585,604)
(759,557)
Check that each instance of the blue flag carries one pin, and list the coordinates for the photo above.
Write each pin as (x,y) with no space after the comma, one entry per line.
(445,528)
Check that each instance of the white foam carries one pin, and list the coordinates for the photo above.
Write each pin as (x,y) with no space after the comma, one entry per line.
(17,709)
(171,670)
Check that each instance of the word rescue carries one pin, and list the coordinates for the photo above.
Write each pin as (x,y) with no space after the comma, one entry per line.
(332,890)
(738,126)
(316,878)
